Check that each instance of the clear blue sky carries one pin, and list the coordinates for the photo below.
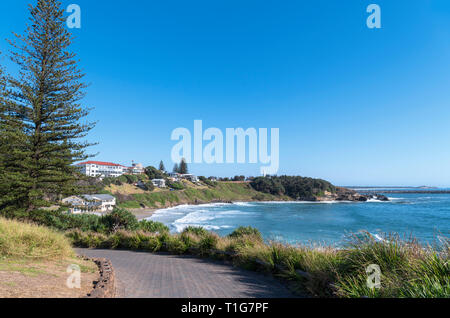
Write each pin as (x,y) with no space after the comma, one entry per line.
(353,105)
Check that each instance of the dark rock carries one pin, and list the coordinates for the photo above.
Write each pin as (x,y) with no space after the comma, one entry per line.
(382,197)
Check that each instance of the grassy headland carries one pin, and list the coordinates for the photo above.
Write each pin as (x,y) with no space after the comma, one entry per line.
(191,194)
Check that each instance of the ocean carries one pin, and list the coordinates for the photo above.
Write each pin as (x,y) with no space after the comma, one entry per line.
(425,216)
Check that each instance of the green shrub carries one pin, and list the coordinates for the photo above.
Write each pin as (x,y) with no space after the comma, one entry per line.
(173,244)
(120,219)
(152,226)
(199,231)
(148,242)
(61,220)
(149,186)
(208,243)
(208,182)
(175,185)
(154,173)
(247,231)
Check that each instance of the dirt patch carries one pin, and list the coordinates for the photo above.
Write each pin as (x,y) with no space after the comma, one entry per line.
(44,279)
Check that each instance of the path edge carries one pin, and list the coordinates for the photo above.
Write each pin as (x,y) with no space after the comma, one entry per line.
(105,287)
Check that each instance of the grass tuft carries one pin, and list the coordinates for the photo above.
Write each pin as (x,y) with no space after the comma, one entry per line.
(22,240)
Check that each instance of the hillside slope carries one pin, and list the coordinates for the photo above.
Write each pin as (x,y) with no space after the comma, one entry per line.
(221,192)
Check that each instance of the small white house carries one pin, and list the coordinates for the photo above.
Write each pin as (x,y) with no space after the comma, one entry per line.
(189,177)
(136,169)
(160,183)
(77,204)
(90,203)
(174,176)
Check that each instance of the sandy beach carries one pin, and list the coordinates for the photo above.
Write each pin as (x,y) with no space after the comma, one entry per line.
(141,214)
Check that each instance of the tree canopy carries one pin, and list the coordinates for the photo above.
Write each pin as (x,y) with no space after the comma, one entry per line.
(299,188)
(183,167)
(154,173)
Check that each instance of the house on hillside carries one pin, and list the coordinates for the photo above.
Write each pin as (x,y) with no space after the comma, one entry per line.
(136,169)
(160,183)
(77,204)
(190,177)
(174,176)
(90,203)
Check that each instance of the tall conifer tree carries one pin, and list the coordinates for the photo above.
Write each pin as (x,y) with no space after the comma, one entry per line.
(46,97)
(183,167)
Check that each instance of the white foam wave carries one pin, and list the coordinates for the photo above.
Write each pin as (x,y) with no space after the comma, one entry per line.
(243,203)
(195,217)
(304,202)
(180,227)
(188,207)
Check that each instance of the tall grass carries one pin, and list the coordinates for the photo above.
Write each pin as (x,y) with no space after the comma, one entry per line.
(407,268)
(22,240)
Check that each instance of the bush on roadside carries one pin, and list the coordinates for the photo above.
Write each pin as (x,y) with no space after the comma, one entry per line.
(152,226)
(247,231)
(65,221)
(199,231)
(120,219)
(173,244)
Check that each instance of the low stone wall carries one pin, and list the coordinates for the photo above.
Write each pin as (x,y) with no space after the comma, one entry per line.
(106,285)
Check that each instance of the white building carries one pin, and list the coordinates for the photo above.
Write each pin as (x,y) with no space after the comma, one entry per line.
(160,183)
(90,203)
(190,177)
(174,176)
(136,168)
(102,169)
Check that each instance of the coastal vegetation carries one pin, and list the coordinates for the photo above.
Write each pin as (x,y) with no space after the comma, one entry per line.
(190,194)
(297,188)
(407,268)
(22,240)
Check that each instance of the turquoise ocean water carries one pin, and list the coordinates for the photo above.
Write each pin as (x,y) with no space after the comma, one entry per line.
(425,216)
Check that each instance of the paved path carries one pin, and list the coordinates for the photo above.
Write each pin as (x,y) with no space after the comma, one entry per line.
(146,275)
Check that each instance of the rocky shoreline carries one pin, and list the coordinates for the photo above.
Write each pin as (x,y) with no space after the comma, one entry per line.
(344,194)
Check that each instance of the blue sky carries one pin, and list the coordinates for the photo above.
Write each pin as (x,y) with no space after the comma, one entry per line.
(355,106)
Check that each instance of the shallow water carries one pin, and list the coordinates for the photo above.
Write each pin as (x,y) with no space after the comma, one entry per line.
(426,216)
